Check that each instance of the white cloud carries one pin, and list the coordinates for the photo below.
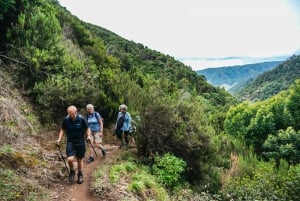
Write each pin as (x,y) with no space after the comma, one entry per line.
(199,28)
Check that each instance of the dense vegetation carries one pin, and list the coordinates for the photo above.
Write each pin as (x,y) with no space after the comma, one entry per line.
(272,82)
(191,135)
(270,130)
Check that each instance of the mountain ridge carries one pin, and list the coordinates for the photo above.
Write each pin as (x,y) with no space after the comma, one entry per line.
(273,81)
(233,78)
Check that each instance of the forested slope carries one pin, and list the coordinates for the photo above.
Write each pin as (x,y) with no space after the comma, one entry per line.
(233,78)
(135,56)
(193,140)
(272,82)
(54,60)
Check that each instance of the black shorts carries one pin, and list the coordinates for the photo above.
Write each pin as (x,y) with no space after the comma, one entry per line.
(119,133)
(76,149)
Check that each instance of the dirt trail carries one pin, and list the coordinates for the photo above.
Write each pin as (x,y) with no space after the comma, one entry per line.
(78,192)
(81,192)
(65,191)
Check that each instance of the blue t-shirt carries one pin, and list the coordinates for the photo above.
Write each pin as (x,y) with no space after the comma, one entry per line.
(75,130)
(93,121)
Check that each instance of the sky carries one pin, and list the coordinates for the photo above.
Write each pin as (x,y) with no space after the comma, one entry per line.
(201,33)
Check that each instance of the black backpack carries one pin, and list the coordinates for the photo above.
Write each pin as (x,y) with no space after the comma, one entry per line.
(120,121)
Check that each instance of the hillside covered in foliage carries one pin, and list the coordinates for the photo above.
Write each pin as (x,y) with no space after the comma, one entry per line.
(232,78)
(56,60)
(194,141)
(272,82)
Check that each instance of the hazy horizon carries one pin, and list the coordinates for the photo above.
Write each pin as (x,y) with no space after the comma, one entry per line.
(201,63)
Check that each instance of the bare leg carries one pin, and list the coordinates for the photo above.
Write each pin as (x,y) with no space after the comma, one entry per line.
(70,162)
(91,151)
(99,144)
(72,171)
(90,147)
(132,141)
(80,168)
(102,148)
(80,164)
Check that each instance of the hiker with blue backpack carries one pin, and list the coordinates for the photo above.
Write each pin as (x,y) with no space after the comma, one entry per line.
(95,123)
(123,126)
(77,131)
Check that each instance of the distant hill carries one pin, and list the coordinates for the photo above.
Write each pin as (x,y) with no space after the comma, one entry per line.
(271,82)
(232,78)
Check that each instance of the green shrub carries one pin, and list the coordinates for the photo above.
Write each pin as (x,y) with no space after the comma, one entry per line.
(291,183)
(267,183)
(168,169)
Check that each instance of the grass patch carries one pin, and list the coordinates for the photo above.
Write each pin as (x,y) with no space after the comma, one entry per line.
(115,172)
(146,185)
(12,187)
(128,174)
(6,149)
(99,182)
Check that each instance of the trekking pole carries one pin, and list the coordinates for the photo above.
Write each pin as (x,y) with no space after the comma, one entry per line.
(62,157)
(89,141)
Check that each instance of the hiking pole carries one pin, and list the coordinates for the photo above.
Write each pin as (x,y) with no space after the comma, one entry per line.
(62,157)
(93,148)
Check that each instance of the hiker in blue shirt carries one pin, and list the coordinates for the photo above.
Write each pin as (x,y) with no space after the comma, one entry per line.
(123,125)
(75,127)
(95,123)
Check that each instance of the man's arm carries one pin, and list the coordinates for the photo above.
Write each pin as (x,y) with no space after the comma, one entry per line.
(60,135)
(88,134)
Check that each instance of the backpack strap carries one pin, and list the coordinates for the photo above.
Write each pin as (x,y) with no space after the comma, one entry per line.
(80,119)
(97,117)
(95,114)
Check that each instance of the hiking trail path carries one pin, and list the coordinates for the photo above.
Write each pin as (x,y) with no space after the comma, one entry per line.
(65,191)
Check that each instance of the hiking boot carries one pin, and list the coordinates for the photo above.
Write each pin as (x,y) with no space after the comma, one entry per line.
(91,159)
(80,178)
(71,176)
(103,152)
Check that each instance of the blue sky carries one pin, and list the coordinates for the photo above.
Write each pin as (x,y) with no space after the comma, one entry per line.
(201,33)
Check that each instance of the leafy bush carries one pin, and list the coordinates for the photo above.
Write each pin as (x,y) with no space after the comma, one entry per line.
(254,123)
(266,183)
(291,183)
(284,145)
(168,169)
